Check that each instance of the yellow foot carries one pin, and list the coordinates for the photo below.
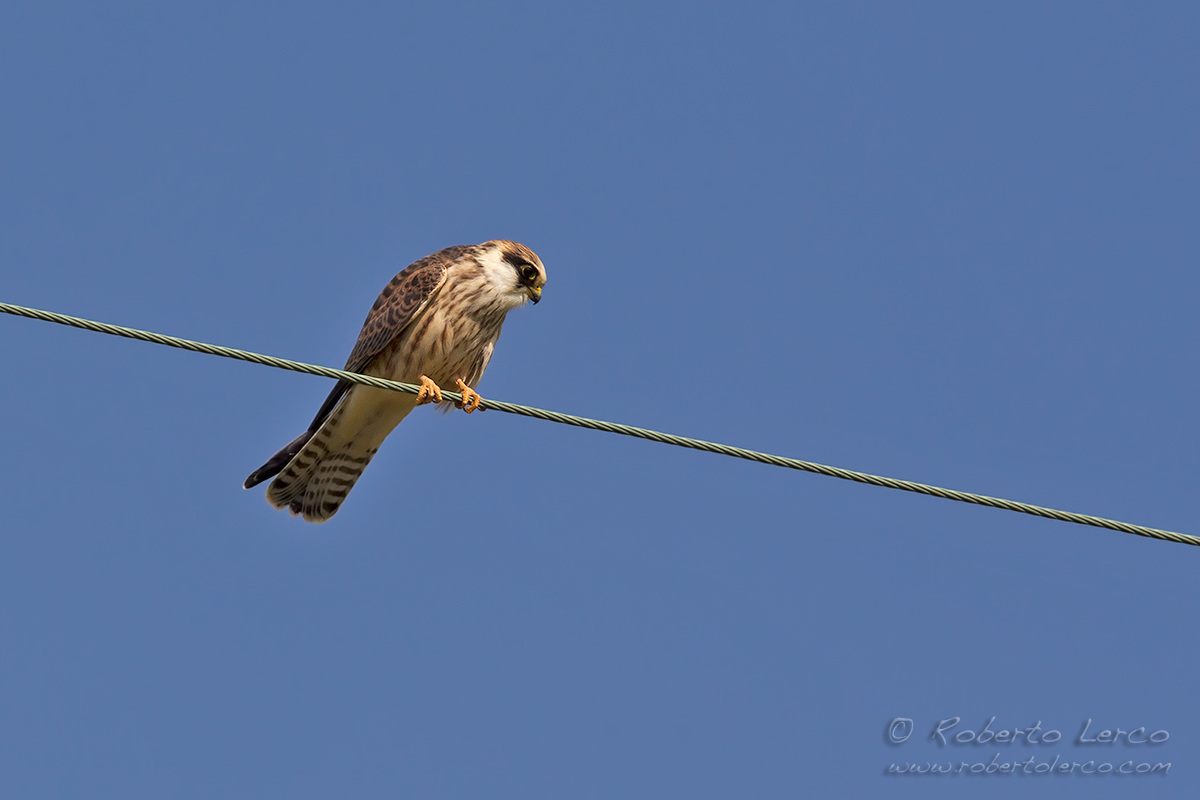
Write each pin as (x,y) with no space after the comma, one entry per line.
(470,397)
(430,392)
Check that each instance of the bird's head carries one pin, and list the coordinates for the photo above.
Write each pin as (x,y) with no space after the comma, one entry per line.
(514,269)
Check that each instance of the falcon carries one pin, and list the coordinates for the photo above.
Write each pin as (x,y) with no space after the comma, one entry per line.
(436,325)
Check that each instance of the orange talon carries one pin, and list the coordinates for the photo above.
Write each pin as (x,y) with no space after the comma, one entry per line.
(430,392)
(470,398)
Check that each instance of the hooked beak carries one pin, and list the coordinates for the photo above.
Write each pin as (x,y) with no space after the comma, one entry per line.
(535,293)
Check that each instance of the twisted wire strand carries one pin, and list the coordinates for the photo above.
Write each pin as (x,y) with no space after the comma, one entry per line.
(610,427)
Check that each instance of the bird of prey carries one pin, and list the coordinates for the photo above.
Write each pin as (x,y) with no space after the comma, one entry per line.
(435,323)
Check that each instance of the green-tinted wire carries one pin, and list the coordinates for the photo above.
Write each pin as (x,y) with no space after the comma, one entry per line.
(611,427)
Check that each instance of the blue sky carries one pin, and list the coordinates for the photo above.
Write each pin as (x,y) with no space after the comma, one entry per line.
(953,243)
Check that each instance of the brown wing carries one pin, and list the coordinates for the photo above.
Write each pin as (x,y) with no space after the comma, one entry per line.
(398,303)
(393,310)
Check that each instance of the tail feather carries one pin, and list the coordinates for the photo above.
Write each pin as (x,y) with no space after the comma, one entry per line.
(293,479)
(324,465)
(330,482)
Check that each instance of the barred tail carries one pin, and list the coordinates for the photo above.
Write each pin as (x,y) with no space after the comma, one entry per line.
(325,464)
(316,481)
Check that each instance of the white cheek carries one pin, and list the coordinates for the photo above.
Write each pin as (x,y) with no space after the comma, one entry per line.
(500,282)
(499,273)
(503,280)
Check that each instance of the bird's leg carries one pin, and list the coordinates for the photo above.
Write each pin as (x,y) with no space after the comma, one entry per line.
(470,397)
(430,392)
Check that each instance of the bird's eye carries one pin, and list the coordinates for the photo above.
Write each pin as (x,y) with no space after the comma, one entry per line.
(529,273)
